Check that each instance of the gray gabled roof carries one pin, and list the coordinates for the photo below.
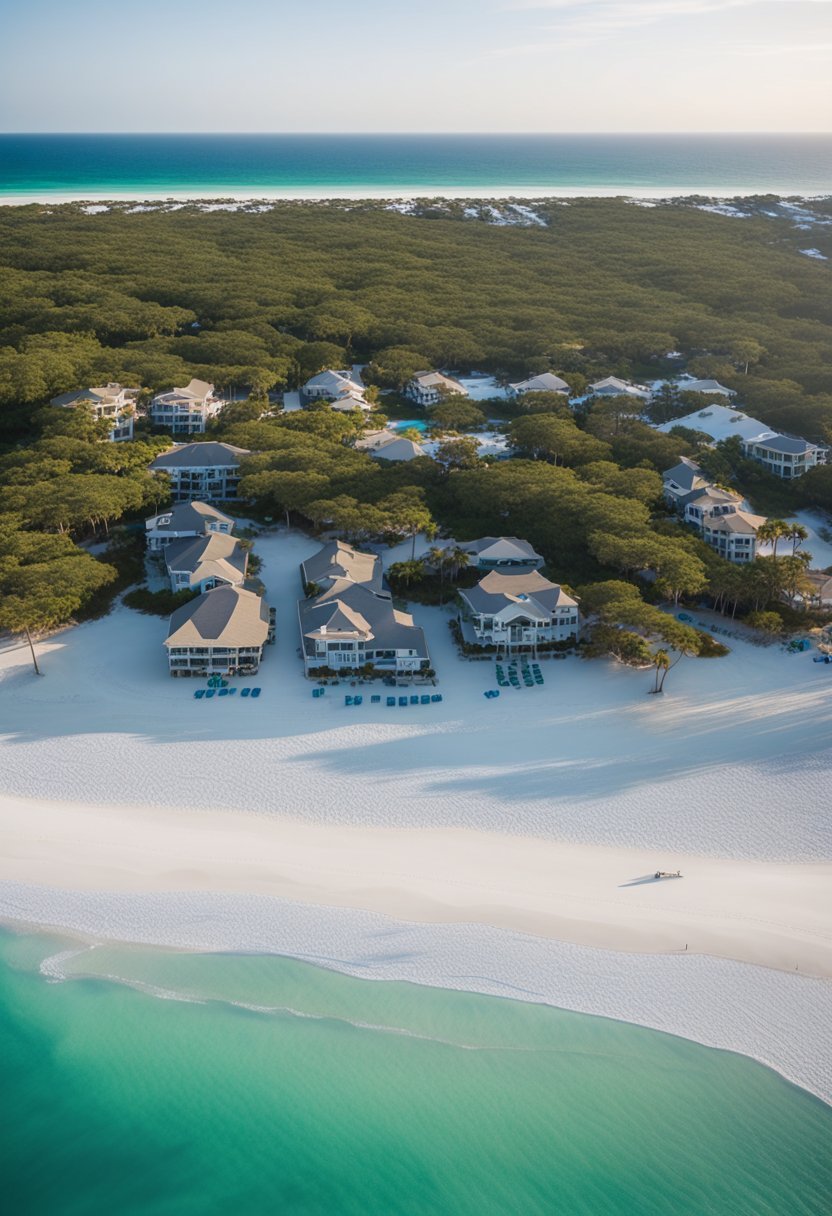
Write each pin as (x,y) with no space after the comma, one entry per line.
(210,455)
(547,382)
(213,556)
(509,548)
(224,616)
(355,610)
(685,474)
(496,591)
(338,560)
(188,517)
(398,449)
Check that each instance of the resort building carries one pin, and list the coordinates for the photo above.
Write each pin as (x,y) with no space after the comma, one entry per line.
(548,382)
(519,612)
(429,388)
(684,480)
(501,553)
(330,385)
(720,422)
(222,632)
(113,402)
(185,519)
(387,445)
(784,456)
(209,472)
(611,386)
(184,411)
(199,563)
(733,533)
(350,400)
(352,622)
(339,562)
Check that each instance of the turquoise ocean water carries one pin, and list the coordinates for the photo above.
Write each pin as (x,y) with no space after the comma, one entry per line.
(270,1086)
(93,165)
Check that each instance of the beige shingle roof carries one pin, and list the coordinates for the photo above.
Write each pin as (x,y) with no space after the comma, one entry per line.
(225,616)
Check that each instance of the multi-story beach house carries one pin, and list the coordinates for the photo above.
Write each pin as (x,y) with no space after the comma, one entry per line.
(350,621)
(222,632)
(612,386)
(334,386)
(199,563)
(207,472)
(518,612)
(733,533)
(501,553)
(113,402)
(185,519)
(431,387)
(185,411)
(710,502)
(783,455)
(547,382)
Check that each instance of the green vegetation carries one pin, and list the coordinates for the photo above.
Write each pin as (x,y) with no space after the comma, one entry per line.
(158,603)
(258,301)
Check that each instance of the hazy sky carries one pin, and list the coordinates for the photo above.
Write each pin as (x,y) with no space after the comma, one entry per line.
(425,65)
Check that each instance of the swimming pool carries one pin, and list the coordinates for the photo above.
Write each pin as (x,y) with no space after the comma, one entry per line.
(414,424)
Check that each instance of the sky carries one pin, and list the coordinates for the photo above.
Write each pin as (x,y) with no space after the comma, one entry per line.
(421,66)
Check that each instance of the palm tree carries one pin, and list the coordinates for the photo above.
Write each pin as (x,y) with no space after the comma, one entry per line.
(797,534)
(458,559)
(773,530)
(662,663)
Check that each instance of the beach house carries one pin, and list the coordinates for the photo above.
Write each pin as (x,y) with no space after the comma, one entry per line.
(710,502)
(209,472)
(519,612)
(387,445)
(547,382)
(340,562)
(328,384)
(689,384)
(221,632)
(349,621)
(199,563)
(185,411)
(783,455)
(501,553)
(185,519)
(612,386)
(818,590)
(684,480)
(733,533)
(431,387)
(113,402)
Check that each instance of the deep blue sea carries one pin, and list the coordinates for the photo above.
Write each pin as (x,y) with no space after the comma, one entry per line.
(106,166)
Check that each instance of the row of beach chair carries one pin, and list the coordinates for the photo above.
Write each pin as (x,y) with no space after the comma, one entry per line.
(207,693)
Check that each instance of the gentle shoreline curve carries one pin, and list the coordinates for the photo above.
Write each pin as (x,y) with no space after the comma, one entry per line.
(765,913)
(779,1019)
(400,193)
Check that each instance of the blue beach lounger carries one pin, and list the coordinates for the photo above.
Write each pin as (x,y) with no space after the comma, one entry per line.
(223,692)
(391,700)
(255,692)
(375,698)
(402,700)
(348,700)
(200,692)
(437,696)
(414,700)
(209,692)
(359,700)
(244,692)
(424,699)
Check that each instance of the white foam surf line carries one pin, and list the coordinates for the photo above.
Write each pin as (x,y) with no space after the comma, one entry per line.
(403,193)
(780,1019)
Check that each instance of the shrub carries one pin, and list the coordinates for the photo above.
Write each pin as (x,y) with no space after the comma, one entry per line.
(157,603)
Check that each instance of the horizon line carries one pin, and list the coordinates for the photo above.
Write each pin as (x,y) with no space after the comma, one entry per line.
(417,134)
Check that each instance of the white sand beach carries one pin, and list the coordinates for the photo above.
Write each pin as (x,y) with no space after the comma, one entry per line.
(532,822)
